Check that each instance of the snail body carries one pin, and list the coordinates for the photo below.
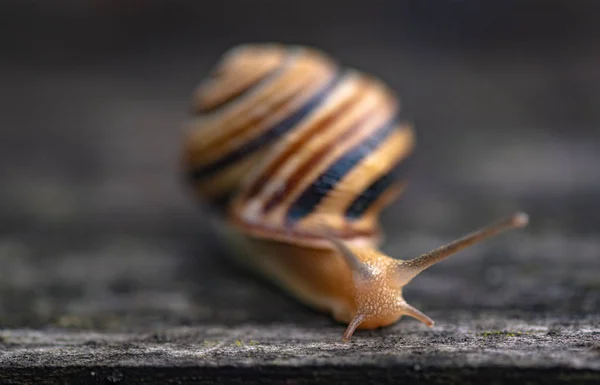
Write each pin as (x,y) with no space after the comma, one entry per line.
(297,157)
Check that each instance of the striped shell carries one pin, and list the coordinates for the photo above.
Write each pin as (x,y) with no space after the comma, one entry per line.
(283,138)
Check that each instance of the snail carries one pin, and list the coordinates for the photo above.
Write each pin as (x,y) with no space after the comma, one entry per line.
(297,156)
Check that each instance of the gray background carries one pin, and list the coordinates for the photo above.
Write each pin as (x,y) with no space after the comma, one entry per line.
(106,259)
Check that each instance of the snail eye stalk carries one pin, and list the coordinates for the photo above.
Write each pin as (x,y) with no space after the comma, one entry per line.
(409,269)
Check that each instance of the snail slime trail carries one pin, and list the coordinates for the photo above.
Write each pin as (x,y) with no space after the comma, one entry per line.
(296,155)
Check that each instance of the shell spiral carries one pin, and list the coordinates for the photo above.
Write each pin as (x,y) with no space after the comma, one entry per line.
(283,138)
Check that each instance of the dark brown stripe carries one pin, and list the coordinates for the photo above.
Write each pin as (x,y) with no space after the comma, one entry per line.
(372,193)
(318,156)
(328,180)
(242,91)
(271,134)
(322,125)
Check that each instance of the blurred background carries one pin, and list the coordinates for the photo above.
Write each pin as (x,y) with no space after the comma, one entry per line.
(95,222)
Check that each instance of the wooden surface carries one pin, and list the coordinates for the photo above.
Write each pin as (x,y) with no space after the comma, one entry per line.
(109,271)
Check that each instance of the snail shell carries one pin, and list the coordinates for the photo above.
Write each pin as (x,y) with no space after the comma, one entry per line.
(283,138)
(298,156)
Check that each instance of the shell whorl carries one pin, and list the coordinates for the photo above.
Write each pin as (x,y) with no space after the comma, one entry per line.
(283,139)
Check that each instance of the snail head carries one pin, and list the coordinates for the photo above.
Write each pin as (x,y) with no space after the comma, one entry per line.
(379,279)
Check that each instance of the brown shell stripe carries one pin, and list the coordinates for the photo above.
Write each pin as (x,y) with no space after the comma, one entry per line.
(293,146)
(215,135)
(378,162)
(269,136)
(240,93)
(327,181)
(240,72)
(223,174)
(310,140)
(318,156)
(368,198)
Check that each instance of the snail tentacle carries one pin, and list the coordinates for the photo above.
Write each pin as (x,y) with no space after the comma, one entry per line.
(416,313)
(407,270)
(352,327)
